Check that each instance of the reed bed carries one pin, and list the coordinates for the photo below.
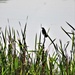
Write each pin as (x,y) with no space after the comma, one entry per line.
(16,59)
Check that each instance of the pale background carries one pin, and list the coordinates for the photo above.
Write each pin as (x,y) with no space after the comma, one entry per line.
(50,13)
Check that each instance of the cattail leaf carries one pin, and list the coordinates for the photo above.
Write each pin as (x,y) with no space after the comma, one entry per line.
(39,44)
(66,33)
(67,45)
(14,37)
(35,41)
(9,34)
(25,28)
(70,26)
(9,31)
(73,38)
(5,31)
(52,42)
(4,39)
(48,30)
(18,34)
(16,63)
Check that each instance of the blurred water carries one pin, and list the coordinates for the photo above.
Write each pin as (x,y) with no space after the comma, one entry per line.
(51,14)
(3,1)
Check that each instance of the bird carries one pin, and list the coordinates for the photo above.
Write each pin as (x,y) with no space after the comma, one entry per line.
(47,36)
(44,32)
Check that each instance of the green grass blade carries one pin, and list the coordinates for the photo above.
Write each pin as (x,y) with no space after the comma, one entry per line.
(70,26)
(36,42)
(66,33)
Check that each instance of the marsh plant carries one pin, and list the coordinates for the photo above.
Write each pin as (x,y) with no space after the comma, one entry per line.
(16,59)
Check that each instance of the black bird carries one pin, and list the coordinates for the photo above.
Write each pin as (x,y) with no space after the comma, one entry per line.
(46,35)
(44,32)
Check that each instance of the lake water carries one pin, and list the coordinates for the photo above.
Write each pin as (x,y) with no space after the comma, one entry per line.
(50,13)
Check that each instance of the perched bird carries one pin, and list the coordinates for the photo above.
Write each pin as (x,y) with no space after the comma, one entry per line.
(46,35)
(44,32)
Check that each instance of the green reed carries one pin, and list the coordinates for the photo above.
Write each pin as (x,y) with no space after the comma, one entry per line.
(16,59)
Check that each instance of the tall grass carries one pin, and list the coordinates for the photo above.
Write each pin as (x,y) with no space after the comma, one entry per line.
(16,59)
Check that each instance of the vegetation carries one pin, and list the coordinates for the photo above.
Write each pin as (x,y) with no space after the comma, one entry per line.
(16,59)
